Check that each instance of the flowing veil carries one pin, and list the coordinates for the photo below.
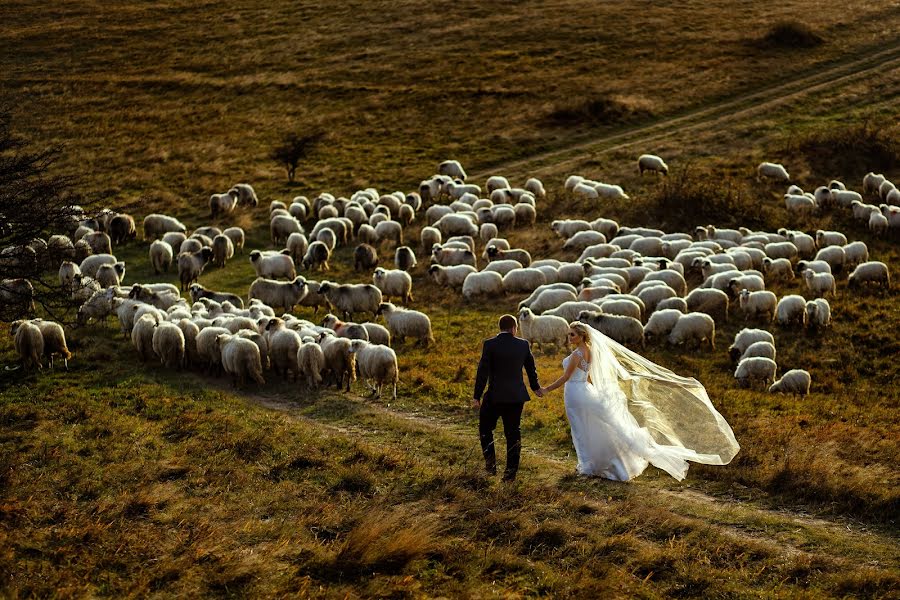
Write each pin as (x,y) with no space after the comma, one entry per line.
(674,410)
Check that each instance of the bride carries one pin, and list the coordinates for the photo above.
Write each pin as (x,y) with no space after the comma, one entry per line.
(626,412)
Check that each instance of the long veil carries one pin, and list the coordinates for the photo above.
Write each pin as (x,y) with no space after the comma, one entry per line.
(674,410)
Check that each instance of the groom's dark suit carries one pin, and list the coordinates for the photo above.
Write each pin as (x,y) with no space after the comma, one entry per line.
(500,368)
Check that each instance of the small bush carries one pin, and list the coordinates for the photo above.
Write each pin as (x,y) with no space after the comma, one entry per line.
(594,111)
(791,34)
(850,150)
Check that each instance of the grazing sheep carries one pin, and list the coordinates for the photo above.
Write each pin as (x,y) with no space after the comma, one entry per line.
(169,345)
(339,361)
(282,226)
(111,275)
(744,338)
(317,256)
(272,265)
(453,276)
(29,343)
(830,238)
(206,234)
(878,223)
(377,366)
(352,298)
(452,168)
(679,304)
(820,284)
(394,283)
(495,253)
(402,323)
(710,301)
(550,299)
(142,336)
(155,225)
(429,236)
(208,352)
(278,294)
(246,194)
(569,227)
(365,258)
(660,323)
(774,171)
(584,239)
(296,247)
(778,269)
(222,203)
(834,256)
(525,214)
(621,306)
(389,230)
(241,358)
(405,258)
(795,381)
(160,256)
(543,329)
(311,362)
(190,245)
(190,266)
(694,326)
(753,369)
(758,303)
(625,330)
(651,162)
(799,203)
(818,314)
(236,235)
(223,249)
(791,310)
(872,182)
(284,345)
(781,250)
(524,280)
(197,291)
(872,272)
(763,349)
(90,265)
(53,336)
(855,253)
(448,257)
(122,229)
(68,274)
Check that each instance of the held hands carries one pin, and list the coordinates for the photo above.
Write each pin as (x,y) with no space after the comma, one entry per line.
(476,403)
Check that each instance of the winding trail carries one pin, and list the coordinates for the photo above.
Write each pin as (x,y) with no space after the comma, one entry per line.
(734,109)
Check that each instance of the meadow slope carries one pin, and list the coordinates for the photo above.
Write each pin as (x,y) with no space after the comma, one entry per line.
(121,478)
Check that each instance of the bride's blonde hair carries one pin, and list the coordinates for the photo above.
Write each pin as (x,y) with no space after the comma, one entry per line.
(582,330)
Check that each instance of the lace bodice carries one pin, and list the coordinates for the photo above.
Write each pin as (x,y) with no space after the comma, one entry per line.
(582,369)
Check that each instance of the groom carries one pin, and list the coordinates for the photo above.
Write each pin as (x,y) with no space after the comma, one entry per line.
(500,368)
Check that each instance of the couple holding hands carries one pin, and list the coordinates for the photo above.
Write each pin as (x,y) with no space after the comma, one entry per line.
(625,412)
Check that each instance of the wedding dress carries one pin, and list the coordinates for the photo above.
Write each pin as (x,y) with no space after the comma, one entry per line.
(633,412)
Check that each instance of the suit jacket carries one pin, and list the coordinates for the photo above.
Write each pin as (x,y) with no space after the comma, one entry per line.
(500,368)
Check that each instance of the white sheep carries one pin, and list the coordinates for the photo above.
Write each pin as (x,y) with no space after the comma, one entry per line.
(352,298)
(245,193)
(429,237)
(543,329)
(872,272)
(29,343)
(755,368)
(855,253)
(625,330)
(448,257)
(161,255)
(820,284)
(569,227)
(54,339)
(585,191)
(878,223)
(503,266)
(778,269)
(142,335)
(651,162)
(774,171)
(110,275)
(156,225)
(694,326)
(311,362)
(168,344)
(610,191)
(90,265)
(241,358)
(339,361)
(456,224)
(485,283)
(191,264)
(450,276)
(377,366)
(795,381)
(222,203)
(660,323)
(570,310)
(536,187)
(284,345)
(278,294)
(282,226)
(791,310)
(68,274)
(452,168)
(394,283)
(744,338)
(551,299)
(758,303)
(781,250)
(272,265)
(524,280)
(402,323)
(584,239)
(818,314)
(763,349)
(799,203)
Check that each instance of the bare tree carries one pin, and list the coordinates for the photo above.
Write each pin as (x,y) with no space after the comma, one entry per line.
(294,148)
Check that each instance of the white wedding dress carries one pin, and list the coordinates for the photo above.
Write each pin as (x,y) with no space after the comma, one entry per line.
(633,412)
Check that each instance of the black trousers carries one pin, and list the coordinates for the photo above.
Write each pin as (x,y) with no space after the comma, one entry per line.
(511,414)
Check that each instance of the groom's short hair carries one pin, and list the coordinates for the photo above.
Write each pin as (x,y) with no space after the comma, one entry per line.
(507,322)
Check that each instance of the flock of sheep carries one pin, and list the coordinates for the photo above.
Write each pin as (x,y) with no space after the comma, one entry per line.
(634,284)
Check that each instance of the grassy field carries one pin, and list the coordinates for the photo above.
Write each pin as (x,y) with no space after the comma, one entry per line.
(126,479)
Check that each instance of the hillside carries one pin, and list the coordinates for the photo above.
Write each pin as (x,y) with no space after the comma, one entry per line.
(121,478)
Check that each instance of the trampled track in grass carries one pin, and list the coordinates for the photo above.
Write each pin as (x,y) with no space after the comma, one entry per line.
(729,110)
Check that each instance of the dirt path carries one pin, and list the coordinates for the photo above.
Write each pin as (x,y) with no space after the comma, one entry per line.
(715,115)
(788,532)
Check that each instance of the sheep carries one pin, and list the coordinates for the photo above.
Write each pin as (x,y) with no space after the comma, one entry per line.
(68,273)
(543,329)
(190,245)
(448,257)
(503,216)
(570,310)
(142,335)
(377,366)
(651,162)
(284,345)
(311,362)
(389,230)
(190,266)
(778,269)
(394,283)
(339,361)
(763,349)
(456,224)
(625,330)
(405,258)
(503,266)
(818,314)
(584,239)
(872,272)
(365,258)
(296,247)
(774,171)
(99,242)
(429,236)
(282,226)
(206,234)
(53,339)
(222,203)
(197,292)
(791,310)
(799,203)
(452,168)
(90,265)
(660,323)
(168,344)
(29,343)
(352,298)
(246,194)
(781,250)
(855,253)
(550,299)
(82,250)
(402,323)
(756,303)
(122,229)
(569,227)
(693,326)
(610,192)
(830,238)
(155,225)
(208,350)
(805,244)
(795,381)
(710,301)
(756,368)
(496,253)
(241,358)
(524,280)
(59,248)
(525,214)
(160,256)
(318,255)
(871,182)
(878,223)
(223,249)
(283,294)
(820,284)
(845,198)
(110,275)
(597,251)
(450,276)
(585,191)
(273,265)
(744,338)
